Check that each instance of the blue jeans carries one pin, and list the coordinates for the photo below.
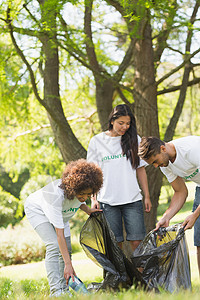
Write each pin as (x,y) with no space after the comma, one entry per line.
(197,223)
(132,214)
(53,260)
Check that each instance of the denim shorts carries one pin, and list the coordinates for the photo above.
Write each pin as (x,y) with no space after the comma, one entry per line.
(132,214)
(197,223)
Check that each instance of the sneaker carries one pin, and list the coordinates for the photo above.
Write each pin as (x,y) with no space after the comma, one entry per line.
(57,293)
(66,292)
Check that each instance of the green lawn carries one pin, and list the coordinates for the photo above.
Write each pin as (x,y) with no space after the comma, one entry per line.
(86,269)
(29,281)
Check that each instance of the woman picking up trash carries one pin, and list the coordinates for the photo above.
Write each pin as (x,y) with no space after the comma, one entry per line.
(49,210)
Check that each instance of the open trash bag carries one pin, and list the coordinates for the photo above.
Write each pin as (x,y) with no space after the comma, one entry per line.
(100,245)
(164,259)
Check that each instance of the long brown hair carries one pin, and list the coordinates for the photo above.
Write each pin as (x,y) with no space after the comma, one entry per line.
(129,141)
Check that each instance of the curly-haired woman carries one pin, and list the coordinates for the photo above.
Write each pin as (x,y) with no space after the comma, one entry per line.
(115,151)
(49,210)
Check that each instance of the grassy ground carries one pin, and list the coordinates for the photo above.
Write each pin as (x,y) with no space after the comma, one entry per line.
(29,281)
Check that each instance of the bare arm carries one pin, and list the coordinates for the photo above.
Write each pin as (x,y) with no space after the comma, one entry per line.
(191,219)
(142,177)
(89,210)
(68,270)
(177,201)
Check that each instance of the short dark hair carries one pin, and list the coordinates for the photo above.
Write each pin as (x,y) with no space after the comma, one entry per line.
(149,146)
(81,175)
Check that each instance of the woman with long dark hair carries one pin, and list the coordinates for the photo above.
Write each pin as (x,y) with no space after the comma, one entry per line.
(115,151)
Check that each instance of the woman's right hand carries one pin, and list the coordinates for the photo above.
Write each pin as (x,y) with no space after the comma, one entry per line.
(69,272)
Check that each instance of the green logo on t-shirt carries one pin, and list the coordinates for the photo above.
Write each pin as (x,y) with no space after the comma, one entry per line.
(71,209)
(192,175)
(109,157)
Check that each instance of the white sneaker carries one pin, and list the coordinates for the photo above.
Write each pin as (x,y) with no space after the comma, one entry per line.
(57,293)
(67,292)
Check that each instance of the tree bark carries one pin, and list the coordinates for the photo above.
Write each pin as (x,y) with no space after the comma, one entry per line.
(69,146)
(145,109)
(104,95)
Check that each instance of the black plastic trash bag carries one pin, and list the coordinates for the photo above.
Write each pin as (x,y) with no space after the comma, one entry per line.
(163,255)
(100,245)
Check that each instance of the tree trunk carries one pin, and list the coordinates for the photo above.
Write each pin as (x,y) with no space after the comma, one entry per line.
(155,183)
(69,146)
(104,96)
(145,109)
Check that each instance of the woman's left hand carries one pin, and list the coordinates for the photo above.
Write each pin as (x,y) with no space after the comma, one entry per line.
(148,205)
(91,210)
(88,210)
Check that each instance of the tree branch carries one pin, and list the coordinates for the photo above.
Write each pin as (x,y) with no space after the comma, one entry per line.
(31,15)
(73,45)
(31,131)
(88,32)
(186,60)
(177,87)
(179,106)
(20,53)
(121,94)
(117,6)
(175,50)
(126,61)
(164,34)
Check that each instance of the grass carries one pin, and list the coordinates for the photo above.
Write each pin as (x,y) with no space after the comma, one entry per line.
(29,281)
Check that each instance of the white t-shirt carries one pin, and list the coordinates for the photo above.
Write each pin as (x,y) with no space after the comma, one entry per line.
(49,205)
(187,162)
(120,184)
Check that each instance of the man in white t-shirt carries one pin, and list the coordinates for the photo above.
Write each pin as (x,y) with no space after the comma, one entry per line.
(179,160)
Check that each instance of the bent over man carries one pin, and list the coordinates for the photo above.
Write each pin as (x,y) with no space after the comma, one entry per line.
(179,160)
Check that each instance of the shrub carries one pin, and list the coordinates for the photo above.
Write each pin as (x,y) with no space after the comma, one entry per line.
(24,289)
(6,288)
(20,244)
(34,286)
(8,209)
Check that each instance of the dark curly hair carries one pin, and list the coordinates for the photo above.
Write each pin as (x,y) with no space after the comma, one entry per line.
(81,175)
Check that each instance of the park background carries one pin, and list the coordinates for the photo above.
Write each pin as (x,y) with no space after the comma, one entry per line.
(63,66)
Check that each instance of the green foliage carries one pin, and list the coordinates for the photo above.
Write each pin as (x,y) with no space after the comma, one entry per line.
(13,187)
(14,90)
(189,120)
(20,244)
(30,144)
(34,286)
(38,290)
(188,123)
(8,208)
(75,243)
(6,288)
(25,289)
(76,223)
(27,141)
